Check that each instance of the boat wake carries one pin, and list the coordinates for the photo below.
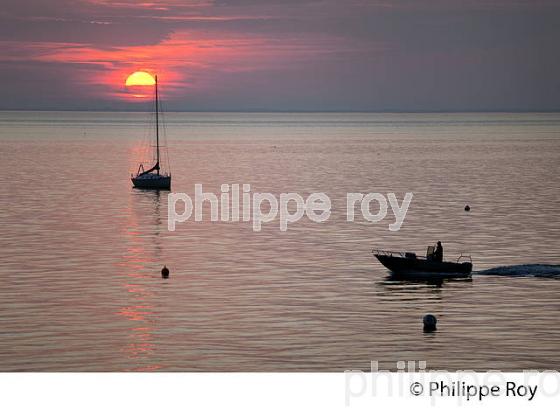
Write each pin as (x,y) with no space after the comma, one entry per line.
(534,270)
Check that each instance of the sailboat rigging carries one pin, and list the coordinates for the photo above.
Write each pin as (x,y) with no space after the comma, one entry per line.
(153,178)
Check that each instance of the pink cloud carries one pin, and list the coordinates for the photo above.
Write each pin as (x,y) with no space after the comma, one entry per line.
(185,60)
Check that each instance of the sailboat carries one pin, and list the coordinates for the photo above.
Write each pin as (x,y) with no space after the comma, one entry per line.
(153,178)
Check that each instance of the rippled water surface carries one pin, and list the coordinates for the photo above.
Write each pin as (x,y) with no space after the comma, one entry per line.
(81,251)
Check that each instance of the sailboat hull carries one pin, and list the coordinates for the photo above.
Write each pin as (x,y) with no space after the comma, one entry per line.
(162,182)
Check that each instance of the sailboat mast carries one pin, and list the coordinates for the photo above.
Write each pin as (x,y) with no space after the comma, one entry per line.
(157,128)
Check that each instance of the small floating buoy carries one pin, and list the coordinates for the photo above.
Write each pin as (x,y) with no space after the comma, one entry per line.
(430,322)
(467,208)
(165,272)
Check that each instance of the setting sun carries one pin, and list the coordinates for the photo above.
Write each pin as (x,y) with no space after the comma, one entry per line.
(140,78)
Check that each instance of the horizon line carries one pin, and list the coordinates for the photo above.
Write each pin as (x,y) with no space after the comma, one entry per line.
(296,111)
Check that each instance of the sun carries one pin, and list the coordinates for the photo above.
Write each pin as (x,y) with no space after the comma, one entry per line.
(140,78)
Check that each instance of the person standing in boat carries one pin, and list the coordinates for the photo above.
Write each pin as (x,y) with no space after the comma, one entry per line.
(438,253)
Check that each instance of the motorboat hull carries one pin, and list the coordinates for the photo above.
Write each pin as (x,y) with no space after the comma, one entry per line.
(419,267)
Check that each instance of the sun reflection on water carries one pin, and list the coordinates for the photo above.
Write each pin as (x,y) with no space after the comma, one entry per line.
(138,266)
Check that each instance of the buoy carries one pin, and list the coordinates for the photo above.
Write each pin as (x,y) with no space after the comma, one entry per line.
(429,323)
(467,208)
(165,272)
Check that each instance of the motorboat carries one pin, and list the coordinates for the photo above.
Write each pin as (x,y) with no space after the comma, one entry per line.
(408,264)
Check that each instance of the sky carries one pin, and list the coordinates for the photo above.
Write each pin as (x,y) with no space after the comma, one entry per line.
(282,55)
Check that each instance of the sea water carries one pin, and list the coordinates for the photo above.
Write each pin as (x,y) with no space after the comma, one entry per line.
(81,250)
